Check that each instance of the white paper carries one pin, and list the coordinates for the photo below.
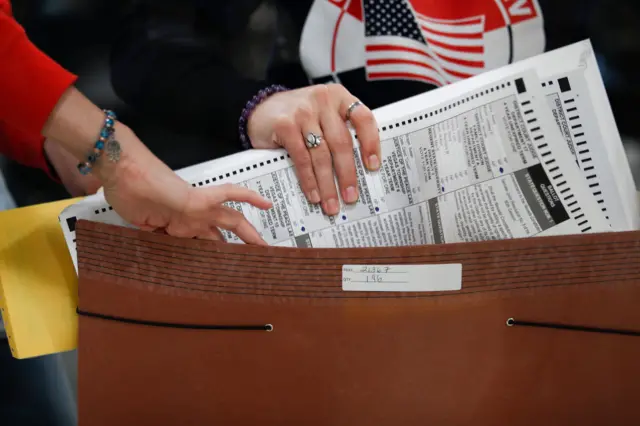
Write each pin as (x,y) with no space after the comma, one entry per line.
(579,61)
(406,278)
(575,115)
(492,165)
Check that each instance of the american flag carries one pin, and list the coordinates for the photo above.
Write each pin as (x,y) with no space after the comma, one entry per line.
(402,44)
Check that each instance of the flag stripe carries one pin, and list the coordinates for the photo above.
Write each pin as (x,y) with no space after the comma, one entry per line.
(459,70)
(401,68)
(387,47)
(461,43)
(372,62)
(392,48)
(464,62)
(449,70)
(392,56)
(395,76)
(457,74)
(462,26)
(456,55)
(450,47)
(468,20)
(452,35)
(402,53)
(377,59)
(399,53)
(449,39)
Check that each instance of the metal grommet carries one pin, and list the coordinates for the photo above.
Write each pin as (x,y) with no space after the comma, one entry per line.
(268,327)
(510,322)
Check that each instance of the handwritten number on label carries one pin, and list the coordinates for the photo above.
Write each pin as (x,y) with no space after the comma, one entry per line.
(374,278)
(374,269)
(402,277)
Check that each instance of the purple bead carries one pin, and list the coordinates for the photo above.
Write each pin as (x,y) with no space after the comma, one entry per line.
(262,95)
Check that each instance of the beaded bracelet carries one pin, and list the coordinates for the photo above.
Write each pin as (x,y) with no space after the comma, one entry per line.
(106,134)
(260,97)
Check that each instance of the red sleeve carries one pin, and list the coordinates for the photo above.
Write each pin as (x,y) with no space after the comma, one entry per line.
(30,86)
(25,148)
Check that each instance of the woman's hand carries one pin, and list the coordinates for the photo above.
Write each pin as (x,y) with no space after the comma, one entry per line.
(141,188)
(149,195)
(286,119)
(154,197)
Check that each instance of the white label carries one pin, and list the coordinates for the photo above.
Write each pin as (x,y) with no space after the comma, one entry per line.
(446,277)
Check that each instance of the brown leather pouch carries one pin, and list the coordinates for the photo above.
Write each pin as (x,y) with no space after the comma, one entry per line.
(356,358)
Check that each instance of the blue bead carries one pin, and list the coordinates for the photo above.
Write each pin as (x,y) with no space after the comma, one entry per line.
(83,169)
(104,133)
(109,122)
(100,145)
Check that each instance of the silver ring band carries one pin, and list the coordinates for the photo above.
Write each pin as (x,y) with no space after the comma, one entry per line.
(353,106)
(312,140)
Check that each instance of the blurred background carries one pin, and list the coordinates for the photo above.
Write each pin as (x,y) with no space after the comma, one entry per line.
(79,35)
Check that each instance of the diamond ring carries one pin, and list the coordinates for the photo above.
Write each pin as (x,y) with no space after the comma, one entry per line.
(312,140)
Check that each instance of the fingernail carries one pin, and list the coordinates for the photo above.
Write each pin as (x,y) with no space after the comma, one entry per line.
(314,197)
(331,206)
(374,163)
(350,195)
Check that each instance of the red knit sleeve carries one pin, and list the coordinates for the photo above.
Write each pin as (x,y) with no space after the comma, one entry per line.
(30,86)
(16,150)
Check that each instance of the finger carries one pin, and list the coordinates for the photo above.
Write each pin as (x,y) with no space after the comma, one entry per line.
(212,234)
(148,228)
(218,234)
(320,154)
(323,169)
(290,137)
(341,146)
(366,128)
(234,221)
(229,192)
(180,230)
(247,233)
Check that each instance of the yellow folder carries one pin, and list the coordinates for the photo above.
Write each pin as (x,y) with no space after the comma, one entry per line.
(38,283)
